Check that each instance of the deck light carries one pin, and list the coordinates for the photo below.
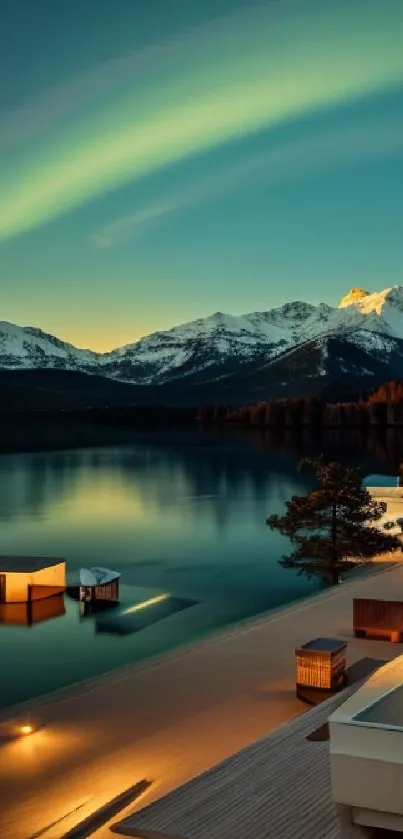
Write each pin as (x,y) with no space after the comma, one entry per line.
(26,729)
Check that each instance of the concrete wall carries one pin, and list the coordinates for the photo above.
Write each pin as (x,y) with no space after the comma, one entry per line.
(368,782)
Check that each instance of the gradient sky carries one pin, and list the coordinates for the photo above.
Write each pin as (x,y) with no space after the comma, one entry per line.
(163,160)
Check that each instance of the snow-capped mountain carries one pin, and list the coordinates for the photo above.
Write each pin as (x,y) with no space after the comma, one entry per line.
(216,347)
(213,347)
(28,347)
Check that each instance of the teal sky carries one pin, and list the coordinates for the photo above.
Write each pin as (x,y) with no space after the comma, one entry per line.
(161,161)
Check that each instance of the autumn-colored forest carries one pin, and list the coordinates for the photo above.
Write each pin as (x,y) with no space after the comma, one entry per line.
(384,407)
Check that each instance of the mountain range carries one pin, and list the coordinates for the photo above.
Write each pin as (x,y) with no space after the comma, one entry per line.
(297,348)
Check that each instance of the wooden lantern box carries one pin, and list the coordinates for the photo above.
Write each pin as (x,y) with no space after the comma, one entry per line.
(321,668)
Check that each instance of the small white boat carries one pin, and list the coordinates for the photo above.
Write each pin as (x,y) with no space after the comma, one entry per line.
(97,576)
(99,584)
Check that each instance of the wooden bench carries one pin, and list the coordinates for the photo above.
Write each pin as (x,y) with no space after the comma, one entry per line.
(378,618)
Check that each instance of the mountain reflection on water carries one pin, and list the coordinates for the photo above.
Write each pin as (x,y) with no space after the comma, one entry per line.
(181,514)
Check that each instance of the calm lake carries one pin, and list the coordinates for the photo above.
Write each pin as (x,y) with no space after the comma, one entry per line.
(180,515)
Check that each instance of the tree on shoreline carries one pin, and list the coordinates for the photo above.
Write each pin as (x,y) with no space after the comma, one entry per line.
(332,528)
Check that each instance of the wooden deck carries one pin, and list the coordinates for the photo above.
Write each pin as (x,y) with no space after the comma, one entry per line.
(172,718)
(278,788)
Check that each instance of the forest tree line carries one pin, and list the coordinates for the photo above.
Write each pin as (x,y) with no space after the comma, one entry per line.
(383,407)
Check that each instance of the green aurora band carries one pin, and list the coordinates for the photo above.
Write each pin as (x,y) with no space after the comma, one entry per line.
(246,75)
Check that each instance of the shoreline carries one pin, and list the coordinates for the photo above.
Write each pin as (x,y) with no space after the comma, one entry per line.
(379,564)
(85,686)
(42,435)
(172,718)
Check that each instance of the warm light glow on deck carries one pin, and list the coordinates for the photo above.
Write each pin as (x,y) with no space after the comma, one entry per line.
(26,729)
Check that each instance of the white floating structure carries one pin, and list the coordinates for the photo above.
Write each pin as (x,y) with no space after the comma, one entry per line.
(99,584)
(366,751)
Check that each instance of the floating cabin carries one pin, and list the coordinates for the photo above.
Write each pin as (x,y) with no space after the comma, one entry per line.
(24,579)
(99,584)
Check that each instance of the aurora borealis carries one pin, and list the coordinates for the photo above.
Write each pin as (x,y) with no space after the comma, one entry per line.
(129,157)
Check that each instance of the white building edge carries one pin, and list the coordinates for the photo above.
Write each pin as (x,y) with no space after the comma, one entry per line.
(366,751)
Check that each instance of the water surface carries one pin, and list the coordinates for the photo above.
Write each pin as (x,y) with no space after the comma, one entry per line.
(183,519)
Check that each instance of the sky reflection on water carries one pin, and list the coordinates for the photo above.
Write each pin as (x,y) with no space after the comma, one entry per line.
(182,519)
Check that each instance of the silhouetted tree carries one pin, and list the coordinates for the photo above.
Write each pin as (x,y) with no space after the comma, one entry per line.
(377,413)
(204,413)
(382,407)
(390,392)
(218,413)
(332,527)
(268,413)
(312,411)
(293,412)
(258,414)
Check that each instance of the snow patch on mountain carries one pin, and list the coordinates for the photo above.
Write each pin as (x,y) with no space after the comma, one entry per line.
(373,341)
(30,347)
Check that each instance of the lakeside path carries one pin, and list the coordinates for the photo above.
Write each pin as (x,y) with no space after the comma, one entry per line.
(171,719)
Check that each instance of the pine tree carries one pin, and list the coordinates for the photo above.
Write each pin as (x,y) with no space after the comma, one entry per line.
(333,526)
